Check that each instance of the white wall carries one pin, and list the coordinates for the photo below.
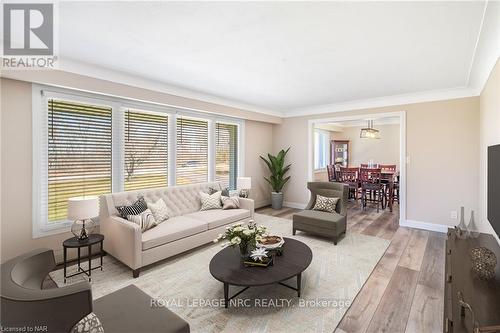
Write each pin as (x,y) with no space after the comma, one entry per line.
(489,135)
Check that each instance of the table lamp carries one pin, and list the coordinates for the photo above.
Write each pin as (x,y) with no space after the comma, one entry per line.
(81,210)
(244,184)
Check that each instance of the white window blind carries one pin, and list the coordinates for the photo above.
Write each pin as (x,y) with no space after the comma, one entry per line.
(191,151)
(79,153)
(146,150)
(321,149)
(226,154)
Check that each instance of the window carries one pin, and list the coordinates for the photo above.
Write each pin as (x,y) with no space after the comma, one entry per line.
(226,152)
(146,150)
(192,151)
(321,149)
(86,144)
(79,153)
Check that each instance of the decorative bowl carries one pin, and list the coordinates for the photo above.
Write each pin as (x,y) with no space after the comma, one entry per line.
(271,242)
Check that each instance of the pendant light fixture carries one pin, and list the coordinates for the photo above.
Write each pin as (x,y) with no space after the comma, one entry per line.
(369,132)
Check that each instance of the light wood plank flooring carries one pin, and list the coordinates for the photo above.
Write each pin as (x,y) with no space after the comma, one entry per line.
(404,293)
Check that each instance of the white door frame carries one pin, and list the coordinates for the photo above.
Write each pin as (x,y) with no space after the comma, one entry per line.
(402,149)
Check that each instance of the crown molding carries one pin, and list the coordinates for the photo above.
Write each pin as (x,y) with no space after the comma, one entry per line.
(403,99)
(77,67)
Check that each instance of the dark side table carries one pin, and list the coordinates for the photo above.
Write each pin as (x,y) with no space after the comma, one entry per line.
(72,243)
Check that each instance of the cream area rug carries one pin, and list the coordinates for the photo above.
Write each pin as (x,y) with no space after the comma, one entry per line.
(185,286)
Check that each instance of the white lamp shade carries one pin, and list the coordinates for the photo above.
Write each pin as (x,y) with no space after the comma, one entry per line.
(244,183)
(83,208)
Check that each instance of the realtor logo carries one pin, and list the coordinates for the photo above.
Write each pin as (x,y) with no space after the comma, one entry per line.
(28,29)
(29,36)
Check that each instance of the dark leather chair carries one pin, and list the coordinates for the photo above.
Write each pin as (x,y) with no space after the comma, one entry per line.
(332,225)
(25,304)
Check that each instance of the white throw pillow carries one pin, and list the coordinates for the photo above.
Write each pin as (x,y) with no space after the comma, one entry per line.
(210,201)
(159,210)
(145,220)
(230,202)
(325,204)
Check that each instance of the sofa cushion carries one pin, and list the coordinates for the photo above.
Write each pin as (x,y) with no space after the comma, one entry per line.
(318,218)
(219,217)
(171,230)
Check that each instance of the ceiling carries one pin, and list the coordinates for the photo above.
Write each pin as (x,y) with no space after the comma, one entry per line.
(275,57)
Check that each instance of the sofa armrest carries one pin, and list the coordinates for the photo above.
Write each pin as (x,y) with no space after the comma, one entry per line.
(246,203)
(123,240)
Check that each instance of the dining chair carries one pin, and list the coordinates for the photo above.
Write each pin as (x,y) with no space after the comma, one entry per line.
(394,178)
(371,180)
(387,167)
(330,169)
(350,177)
(367,166)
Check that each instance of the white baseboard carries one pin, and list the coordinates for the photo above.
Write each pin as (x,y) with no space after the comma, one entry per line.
(262,203)
(424,225)
(297,205)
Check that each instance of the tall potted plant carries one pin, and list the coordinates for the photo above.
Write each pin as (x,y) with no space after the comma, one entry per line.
(277,180)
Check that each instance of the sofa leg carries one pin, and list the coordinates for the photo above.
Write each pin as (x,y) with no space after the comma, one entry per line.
(136,272)
(294,231)
(335,240)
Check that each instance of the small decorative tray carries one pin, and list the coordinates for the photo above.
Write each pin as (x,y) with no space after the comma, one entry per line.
(268,261)
(271,242)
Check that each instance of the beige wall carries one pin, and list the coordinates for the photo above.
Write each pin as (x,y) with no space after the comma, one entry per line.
(258,142)
(16,170)
(489,135)
(384,150)
(443,146)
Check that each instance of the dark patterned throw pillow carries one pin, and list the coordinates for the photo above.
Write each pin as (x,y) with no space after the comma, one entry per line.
(325,204)
(134,209)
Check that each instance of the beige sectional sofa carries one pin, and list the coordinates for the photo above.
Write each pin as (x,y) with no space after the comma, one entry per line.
(187,227)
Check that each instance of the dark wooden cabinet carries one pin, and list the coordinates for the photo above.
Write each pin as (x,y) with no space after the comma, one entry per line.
(460,281)
(340,153)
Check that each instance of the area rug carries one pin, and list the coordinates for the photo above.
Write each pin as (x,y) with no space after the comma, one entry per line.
(185,286)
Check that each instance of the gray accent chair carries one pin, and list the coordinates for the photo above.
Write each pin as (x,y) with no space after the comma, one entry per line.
(25,304)
(332,225)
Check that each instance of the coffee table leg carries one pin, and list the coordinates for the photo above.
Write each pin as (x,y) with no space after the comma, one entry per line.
(299,277)
(226,295)
(101,256)
(78,260)
(65,257)
(90,263)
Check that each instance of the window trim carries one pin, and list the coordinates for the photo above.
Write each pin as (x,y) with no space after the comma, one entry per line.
(40,95)
(328,152)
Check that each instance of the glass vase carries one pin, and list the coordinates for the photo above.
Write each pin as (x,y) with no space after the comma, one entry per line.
(243,250)
(461,229)
(472,227)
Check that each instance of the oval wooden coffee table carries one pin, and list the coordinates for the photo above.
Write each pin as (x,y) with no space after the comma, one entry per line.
(227,267)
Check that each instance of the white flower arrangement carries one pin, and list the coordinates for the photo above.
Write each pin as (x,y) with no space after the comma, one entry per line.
(246,236)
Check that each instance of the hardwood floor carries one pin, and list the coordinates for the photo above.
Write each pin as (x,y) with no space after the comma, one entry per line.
(405,291)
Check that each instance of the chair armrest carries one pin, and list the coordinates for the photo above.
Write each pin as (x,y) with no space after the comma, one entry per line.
(59,309)
(123,240)
(246,203)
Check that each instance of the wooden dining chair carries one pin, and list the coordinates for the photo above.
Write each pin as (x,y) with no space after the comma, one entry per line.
(394,178)
(366,166)
(330,169)
(349,176)
(387,167)
(371,181)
